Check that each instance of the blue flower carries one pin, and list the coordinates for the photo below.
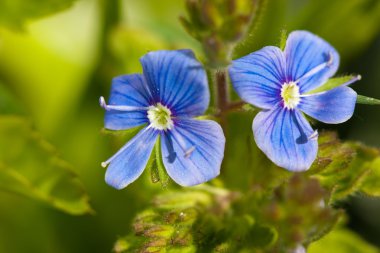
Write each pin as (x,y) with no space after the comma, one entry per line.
(280,82)
(165,98)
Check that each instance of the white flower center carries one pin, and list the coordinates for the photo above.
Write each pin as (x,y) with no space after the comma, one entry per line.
(160,117)
(290,93)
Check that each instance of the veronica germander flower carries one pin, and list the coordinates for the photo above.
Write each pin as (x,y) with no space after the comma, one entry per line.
(165,98)
(281,83)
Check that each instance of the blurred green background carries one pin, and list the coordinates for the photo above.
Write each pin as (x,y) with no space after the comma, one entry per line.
(58,56)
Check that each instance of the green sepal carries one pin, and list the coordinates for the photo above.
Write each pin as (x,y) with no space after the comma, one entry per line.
(156,166)
(283,38)
(367,100)
(335,82)
(128,133)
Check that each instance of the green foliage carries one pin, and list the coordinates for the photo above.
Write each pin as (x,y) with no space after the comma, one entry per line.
(342,241)
(14,13)
(31,167)
(279,211)
(208,219)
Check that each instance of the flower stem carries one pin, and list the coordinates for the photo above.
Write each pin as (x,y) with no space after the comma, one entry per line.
(223,98)
(223,103)
(222,90)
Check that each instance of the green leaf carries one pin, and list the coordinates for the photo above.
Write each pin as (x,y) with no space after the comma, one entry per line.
(367,100)
(31,167)
(14,13)
(345,168)
(263,13)
(342,241)
(335,82)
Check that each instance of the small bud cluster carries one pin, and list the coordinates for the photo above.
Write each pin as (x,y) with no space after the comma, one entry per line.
(218,25)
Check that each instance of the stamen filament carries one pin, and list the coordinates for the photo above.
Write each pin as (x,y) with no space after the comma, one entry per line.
(316,69)
(105,164)
(354,79)
(122,108)
(182,143)
(314,135)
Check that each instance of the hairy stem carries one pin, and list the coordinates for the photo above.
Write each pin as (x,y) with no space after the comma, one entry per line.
(222,96)
(223,103)
(222,99)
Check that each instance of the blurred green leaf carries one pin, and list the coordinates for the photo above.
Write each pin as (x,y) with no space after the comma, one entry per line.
(342,241)
(265,29)
(259,173)
(336,20)
(14,13)
(8,103)
(31,167)
(53,51)
(128,45)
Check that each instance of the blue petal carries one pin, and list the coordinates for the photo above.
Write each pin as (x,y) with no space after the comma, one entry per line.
(130,161)
(305,51)
(284,136)
(128,90)
(258,77)
(193,151)
(177,80)
(333,106)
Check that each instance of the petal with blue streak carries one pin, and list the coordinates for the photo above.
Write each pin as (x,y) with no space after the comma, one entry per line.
(177,80)
(128,90)
(305,51)
(284,136)
(333,107)
(193,150)
(258,77)
(130,161)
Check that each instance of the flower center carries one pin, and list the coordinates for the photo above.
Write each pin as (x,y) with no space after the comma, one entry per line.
(160,117)
(290,94)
